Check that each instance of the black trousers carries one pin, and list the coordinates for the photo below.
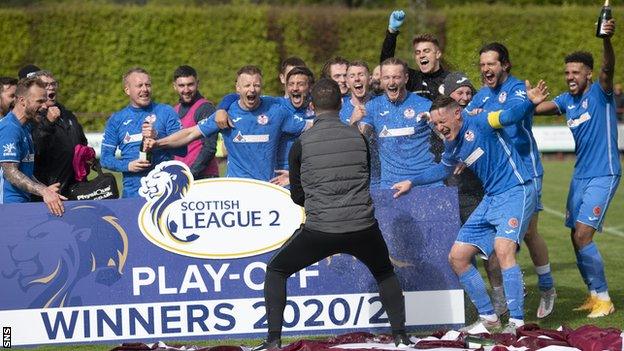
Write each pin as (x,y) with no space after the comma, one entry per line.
(306,247)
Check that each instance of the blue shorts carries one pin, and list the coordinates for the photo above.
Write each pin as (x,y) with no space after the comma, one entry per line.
(505,215)
(537,183)
(588,200)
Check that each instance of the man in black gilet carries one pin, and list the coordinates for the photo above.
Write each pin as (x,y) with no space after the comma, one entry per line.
(331,150)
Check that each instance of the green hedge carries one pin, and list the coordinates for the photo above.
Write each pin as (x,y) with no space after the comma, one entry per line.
(88,47)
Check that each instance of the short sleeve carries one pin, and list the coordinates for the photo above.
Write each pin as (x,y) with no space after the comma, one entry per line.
(10,141)
(370,112)
(291,124)
(560,102)
(208,126)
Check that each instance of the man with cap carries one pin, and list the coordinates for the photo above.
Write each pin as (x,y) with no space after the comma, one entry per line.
(469,188)
(55,138)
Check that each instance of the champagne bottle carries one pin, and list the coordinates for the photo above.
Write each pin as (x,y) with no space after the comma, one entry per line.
(605,15)
(144,155)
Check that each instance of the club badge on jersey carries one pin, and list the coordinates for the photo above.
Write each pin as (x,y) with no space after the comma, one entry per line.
(469,136)
(263,119)
(409,113)
(151,118)
(502,97)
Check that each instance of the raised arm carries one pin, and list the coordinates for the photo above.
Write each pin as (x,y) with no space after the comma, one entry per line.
(513,115)
(608,58)
(389,44)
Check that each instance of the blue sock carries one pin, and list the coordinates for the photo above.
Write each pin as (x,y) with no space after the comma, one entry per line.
(475,288)
(544,277)
(592,262)
(512,282)
(581,268)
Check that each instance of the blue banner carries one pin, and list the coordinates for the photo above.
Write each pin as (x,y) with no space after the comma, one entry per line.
(101,273)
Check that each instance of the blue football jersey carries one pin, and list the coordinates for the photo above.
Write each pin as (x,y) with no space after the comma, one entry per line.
(287,140)
(123,132)
(510,93)
(17,147)
(402,134)
(346,110)
(488,152)
(592,119)
(254,141)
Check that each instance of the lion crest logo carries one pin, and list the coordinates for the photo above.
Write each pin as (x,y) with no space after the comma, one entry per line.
(88,241)
(168,182)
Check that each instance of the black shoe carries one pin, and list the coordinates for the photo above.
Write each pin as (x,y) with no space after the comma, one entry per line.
(402,340)
(268,345)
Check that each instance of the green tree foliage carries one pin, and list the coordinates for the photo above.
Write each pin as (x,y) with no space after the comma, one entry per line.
(89,46)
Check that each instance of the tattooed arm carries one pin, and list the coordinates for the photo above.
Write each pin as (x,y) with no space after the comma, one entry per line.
(49,193)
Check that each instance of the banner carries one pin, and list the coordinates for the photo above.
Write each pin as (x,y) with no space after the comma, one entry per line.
(187,259)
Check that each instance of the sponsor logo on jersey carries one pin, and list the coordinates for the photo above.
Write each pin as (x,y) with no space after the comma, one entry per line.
(474,156)
(250,138)
(502,97)
(9,149)
(469,135)
(29,158)
(409,113)
(130,138)
(125,123)
(384,113)
(384,132)
(571,107)
(396,132)
(573,123)
(235,119)
(263,119)
(513,222)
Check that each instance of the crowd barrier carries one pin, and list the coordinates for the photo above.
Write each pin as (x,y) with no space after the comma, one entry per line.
(186,260)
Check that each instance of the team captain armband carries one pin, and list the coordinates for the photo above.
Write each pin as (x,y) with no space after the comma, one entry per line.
(494,119)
